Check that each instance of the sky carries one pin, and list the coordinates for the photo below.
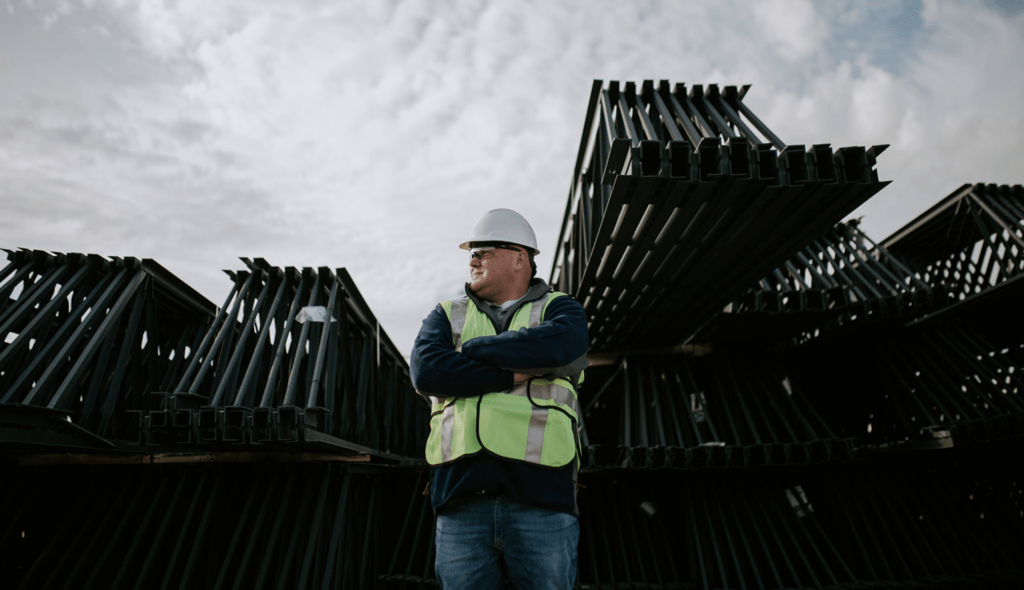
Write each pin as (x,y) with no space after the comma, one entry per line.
(372,134)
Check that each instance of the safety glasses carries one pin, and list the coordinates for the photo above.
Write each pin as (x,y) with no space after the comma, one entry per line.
(478,252)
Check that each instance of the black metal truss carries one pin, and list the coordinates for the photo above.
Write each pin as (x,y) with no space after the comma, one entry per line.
(988,312)
(968,242)
(839,278)
(848,526)
(920,387)
(294,356)
(83,340)
(677,205)
(190,526)
(679,412)
(899,524)
(411,560)
(937,522)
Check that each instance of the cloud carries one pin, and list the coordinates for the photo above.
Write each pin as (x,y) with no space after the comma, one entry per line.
(371,135)
(791,27)
(962,93)
(949,109)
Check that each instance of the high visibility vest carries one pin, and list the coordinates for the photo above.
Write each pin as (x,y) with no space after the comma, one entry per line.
(535,422)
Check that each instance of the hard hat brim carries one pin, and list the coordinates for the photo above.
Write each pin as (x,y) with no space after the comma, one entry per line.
(467,245)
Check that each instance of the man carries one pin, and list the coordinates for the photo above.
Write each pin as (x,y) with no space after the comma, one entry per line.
(501,366)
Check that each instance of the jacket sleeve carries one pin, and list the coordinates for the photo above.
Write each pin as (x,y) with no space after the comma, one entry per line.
(438,369)
(557,347)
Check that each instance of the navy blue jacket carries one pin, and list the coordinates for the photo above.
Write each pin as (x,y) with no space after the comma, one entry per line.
(555,346)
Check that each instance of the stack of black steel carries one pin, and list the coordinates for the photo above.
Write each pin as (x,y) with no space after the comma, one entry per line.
(153,440)
(682,200)
(954,375)
(841,278)
(294,357)
(769,373)
(775,402)
(84,341)
(224,525)
(116,353)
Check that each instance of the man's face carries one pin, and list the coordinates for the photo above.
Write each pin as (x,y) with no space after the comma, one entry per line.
(492,271)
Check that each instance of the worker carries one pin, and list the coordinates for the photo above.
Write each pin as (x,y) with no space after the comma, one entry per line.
(501,367)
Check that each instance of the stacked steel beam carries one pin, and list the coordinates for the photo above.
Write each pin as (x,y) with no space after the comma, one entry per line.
(952,376)
(682,199)
(411,559)
(83,341)
(199,526)
(294,356)
(903,524)
(117,361)
(676,207)
(968,242)
(937,522)
(839,279)
(929,386)
(678,412)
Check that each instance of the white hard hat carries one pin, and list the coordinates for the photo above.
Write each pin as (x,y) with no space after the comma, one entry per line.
(503,225)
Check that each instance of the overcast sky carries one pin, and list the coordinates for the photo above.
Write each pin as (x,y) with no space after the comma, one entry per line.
(372,134)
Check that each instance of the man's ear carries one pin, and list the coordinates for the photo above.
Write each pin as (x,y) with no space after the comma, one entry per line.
(521,258)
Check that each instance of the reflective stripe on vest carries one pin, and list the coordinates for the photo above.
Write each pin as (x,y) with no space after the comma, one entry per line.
(447,428)
(535,434)
(458,318)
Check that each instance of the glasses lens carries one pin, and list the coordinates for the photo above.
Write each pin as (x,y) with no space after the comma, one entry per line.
(478,253)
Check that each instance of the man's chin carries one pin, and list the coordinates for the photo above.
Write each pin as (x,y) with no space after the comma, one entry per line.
(479,289)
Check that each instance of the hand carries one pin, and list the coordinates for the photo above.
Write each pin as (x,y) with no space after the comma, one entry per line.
(518,378)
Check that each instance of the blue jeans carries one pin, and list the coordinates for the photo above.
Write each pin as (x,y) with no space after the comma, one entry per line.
(539,545)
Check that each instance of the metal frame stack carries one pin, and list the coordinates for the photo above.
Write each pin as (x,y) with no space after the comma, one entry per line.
(680,199)
(153,440)
(969,242)
(272,525)
(925,386)
(905,524)
(85,339)
(757,353)
(841,278)
(913,377)
(719,411)
(295,356)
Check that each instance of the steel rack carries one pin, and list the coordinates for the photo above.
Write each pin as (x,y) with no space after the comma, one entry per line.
(680,200)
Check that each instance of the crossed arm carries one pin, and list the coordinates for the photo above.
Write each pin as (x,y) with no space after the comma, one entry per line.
(555,347)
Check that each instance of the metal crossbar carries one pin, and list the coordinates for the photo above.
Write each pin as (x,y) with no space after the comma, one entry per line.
(676,412)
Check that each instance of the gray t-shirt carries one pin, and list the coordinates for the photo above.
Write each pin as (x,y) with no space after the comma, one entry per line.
(504,309)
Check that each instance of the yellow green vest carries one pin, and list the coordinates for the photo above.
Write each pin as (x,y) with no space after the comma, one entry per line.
(507,424)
